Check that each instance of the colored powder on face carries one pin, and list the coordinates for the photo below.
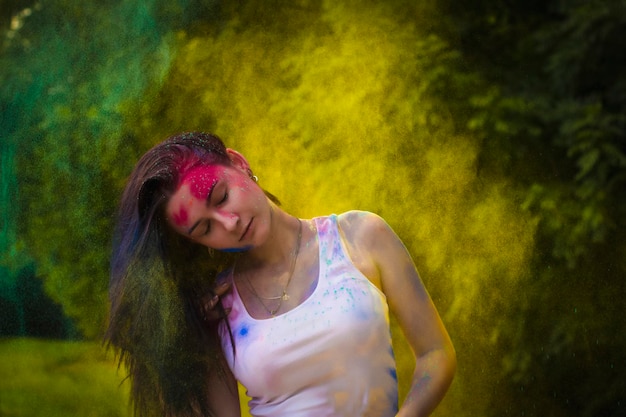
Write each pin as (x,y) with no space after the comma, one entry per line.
(181,217)
(202,179)
(235,250)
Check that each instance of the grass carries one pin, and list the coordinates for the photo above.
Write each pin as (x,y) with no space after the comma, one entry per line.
(62,379)
(59,379)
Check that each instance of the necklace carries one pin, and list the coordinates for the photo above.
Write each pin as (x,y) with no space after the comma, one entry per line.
(284,296)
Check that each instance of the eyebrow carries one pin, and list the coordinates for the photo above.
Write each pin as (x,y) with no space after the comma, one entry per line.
(208,199)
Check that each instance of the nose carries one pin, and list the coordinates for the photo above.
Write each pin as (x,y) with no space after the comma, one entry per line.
(228,220)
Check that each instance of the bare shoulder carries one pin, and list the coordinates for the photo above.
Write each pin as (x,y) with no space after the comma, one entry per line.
(364,227)
(364,233)
(371,237)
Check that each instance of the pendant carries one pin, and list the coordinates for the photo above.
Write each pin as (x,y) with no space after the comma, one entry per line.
(285,296)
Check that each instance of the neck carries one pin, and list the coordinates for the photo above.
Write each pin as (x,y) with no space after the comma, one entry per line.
(279,246)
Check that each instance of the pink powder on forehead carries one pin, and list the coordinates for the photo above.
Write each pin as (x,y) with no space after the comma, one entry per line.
(201,180)
(180,218)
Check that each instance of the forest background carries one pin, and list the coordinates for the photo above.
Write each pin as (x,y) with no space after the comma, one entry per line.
(490,135)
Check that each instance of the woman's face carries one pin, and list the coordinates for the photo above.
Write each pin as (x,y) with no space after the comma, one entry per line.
(220,207)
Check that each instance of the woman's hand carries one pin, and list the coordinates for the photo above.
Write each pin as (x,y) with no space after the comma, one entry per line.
(208,305)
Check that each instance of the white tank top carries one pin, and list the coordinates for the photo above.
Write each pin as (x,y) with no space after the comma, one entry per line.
(329,356)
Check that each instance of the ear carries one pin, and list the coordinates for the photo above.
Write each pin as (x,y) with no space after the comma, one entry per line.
(238,160)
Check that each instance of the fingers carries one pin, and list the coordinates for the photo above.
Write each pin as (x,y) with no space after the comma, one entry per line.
(209,302)
(221,288)
(208,312)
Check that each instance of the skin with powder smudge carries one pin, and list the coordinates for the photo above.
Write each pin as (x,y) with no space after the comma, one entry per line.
(201,181)
(216,205)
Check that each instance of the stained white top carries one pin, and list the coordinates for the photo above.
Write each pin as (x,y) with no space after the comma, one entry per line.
(329,356)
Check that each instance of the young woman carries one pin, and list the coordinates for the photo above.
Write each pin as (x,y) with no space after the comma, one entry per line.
(297,311)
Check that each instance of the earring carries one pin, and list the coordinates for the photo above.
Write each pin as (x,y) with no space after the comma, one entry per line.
(211,252)
(252,176)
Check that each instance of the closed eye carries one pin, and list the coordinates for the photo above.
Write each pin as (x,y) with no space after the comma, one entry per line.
(208,223)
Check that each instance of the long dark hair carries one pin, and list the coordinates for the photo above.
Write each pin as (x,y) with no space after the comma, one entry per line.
(157,277)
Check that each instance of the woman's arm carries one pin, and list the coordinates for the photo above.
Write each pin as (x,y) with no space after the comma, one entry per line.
(385,260)
(223,394)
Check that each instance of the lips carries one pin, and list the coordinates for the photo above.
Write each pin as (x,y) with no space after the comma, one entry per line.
(245,232)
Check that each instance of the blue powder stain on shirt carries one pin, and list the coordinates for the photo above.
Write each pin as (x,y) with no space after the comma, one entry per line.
(243,332)
(393,374)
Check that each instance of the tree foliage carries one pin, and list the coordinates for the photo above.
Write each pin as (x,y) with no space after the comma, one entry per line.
(555,107)
(64,95)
